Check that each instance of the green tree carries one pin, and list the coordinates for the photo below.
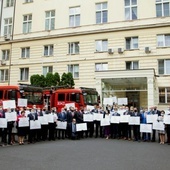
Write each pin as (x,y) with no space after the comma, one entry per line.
(70,79)
(63,79)
(52,80)
(67,79)
(35,80)
(57,79)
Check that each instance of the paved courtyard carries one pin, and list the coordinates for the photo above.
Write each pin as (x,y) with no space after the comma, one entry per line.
(86,154)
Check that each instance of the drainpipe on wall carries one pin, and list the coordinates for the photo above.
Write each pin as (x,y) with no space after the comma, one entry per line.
(12,36)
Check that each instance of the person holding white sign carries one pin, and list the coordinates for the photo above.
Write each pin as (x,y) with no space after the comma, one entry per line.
(136,128)
(21,130)
(62,116)
(115,130)
(72,129)
(161,132)
(32,132)
(126,127)
(168,127)
(3,130)
(52,125)
(10,124)
(154,111)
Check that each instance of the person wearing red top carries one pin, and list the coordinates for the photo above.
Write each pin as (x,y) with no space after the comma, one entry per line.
(21,130)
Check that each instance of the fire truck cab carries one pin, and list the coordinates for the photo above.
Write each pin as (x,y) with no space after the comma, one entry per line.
(81,97)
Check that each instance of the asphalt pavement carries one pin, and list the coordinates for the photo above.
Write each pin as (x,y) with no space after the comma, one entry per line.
(86,154)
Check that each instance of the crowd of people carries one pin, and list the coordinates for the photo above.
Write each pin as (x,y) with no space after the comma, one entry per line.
(72,116)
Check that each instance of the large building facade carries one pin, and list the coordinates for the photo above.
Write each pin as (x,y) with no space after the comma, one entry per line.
(120,47)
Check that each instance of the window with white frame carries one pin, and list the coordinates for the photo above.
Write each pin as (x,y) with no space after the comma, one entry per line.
(74,16)
(7,26)
(4,75)
(132,65)
(162,8)
(101,13)
(164,95)
(163,40)
(48,50)
(131,43)
(24,74)
(27,23)
(101,66)
(101,45)
(27,1)
(9,3)
(164,67)
(50,20)
(74,69)
(25,52)
(130,9)
(47,69)
(5,54)
(73,48)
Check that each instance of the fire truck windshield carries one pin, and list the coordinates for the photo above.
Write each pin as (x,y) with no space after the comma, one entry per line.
(33,97)
(90,98)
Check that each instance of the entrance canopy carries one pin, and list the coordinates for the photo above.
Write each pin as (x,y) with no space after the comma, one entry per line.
(126,84)
(113,82)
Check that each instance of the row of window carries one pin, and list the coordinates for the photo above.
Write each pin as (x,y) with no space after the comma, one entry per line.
(162,9)
(163,68)
(10,3)
(100,45)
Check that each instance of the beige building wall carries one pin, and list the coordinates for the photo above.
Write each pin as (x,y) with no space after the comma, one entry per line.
(146,28)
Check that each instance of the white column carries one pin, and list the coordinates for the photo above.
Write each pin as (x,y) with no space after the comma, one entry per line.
(150,90)
(99,88)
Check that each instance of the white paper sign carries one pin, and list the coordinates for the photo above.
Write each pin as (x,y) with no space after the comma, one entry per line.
(68,105)
(114,99)
(3,123)
(9,104)
(108,101)
(124,118)
(81,127)
(50,118)
(61,125)
(23,122)
(87,117)
(122,101)
(89,108)
(43,120)
(147,128)
(167,112)
(105,122)
(158,126)
(167,119)
(35,124)
(121,111)
(134,120)
(97,116)
(115,119)
(22,102)
(12,116)
(151,118)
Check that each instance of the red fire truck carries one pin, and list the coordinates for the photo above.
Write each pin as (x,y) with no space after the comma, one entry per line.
(34,95)
(81,97)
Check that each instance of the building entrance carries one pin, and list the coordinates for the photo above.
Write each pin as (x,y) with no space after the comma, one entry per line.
(133,99)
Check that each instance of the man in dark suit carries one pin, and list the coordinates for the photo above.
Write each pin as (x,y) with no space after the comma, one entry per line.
(126,127)
(70,116)
(32,132)
(136,128)
(62,116)
(72,129)
(115,131)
